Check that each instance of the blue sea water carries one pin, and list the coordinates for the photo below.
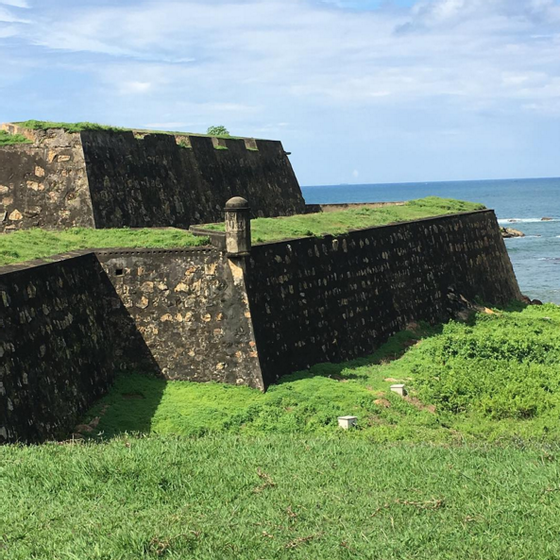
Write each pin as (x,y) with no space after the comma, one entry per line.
(519,203)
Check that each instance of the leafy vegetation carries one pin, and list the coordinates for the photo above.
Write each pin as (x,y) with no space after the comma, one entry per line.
(274,229)
(496,378)
(218,131)
(7,139)
(277,497)
(31,244)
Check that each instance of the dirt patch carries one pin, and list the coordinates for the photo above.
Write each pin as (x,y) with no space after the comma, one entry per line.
(383,403)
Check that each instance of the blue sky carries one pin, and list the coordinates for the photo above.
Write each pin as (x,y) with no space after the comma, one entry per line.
(360,91)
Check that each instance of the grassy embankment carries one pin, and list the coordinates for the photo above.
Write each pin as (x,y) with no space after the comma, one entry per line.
(335,223)
(497,379)
(273,477)
(30,244)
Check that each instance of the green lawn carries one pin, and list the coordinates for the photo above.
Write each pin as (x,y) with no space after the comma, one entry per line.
(277,497)
(25,245)
(274,229)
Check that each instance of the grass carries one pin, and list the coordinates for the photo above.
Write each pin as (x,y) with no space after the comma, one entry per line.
(30,244)
(83,126)
(335,223)
(495,379)
(7,139)
(68,127)
(277,497)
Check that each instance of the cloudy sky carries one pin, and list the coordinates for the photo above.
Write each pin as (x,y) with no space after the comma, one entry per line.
(360,91)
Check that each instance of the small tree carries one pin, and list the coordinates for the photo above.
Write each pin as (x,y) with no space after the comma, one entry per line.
(217,131)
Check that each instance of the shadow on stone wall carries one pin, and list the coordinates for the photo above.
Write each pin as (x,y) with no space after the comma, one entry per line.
(65,336)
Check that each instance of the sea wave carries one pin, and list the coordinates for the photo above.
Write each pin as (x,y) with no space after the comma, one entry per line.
(524,220)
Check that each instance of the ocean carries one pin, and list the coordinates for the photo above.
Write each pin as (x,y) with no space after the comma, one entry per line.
(519,203)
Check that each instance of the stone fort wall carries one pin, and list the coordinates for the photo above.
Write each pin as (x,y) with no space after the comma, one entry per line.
(125,179)
(336,298)
(68,326)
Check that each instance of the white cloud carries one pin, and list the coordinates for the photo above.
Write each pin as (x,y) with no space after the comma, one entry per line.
(7,16)
(15,3)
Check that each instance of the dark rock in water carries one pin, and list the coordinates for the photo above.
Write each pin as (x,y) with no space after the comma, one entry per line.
(526,300)
(536,302)
(513,221)
(510,232)
(546,219)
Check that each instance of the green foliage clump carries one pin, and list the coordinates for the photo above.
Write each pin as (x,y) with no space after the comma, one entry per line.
(7,139)
(342,221)
(19,246)
(499,368)
(218,131)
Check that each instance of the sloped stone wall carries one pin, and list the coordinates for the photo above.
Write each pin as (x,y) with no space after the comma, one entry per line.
(123,179)
(335,298)
(44,184)
(59,351)
(68,327)
(160,180)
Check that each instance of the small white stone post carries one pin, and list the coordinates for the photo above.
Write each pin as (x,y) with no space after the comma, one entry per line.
(346,422)
(238,227)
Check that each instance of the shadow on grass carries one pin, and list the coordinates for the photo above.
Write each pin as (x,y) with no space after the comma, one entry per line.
(129,406)
(391,350)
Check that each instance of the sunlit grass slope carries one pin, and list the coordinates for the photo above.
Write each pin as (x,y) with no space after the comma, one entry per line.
(274,229)
(31,244)
(497,378)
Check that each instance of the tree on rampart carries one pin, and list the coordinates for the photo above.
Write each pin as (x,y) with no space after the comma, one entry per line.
(217,131)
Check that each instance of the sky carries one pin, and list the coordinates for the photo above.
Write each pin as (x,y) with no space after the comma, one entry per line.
(359,91)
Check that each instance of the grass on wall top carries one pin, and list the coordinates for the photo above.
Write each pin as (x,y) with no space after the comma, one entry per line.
(335,223)
(25,245)
(83,126)
(7,139)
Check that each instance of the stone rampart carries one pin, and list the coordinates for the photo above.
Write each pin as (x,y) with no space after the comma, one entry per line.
(68,327)
(336,298)
(202,314)
(44,184)
(103,178)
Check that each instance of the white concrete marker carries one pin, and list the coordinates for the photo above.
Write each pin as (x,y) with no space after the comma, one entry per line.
(399,389)
(346,422)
